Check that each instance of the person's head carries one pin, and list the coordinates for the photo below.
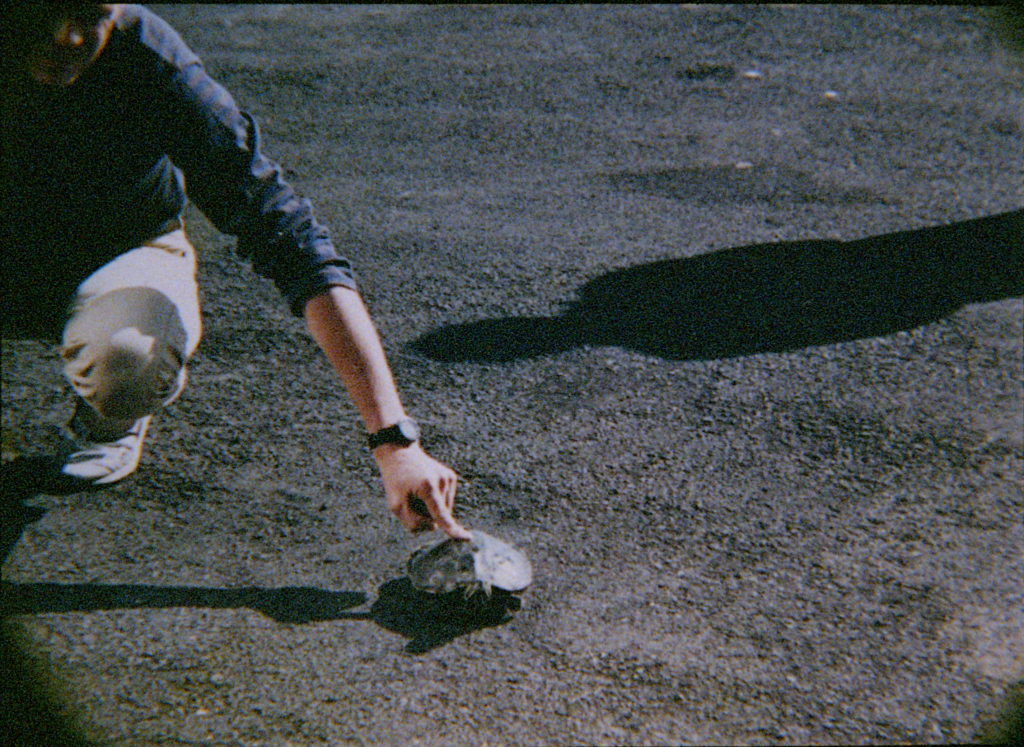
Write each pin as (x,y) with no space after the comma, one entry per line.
(54,42)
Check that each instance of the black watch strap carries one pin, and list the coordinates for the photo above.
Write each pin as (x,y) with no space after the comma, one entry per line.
(402,433)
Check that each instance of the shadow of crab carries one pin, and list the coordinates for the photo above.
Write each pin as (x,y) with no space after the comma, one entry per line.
(432,620)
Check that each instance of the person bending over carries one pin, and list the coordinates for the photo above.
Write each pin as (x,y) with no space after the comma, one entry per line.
(109,123)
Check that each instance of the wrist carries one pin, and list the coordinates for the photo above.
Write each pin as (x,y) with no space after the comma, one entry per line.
(387,453)
(400,434)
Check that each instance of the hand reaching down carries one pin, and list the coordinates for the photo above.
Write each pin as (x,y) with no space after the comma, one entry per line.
(420,490)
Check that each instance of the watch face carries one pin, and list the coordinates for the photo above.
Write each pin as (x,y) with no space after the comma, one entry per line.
(402,433)
(409,430)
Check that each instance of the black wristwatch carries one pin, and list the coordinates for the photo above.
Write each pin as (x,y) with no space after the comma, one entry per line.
(402,433)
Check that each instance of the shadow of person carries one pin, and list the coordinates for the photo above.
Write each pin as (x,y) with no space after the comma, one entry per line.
(428,620)
(293,605)
(765,297)
(13,519)
(23,478)
(432,620)
(34,714)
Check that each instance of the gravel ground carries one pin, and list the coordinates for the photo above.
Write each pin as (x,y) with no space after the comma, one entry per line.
(716,310)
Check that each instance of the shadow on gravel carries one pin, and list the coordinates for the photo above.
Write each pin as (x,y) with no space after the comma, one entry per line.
(23,478)
(295,605)
(432,620)
(428,620)
(765,298)
(26,476)
(14,519)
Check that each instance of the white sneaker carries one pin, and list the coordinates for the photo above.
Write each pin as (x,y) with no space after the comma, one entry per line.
(112,452)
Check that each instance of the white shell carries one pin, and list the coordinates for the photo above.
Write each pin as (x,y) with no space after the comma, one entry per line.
(471,565)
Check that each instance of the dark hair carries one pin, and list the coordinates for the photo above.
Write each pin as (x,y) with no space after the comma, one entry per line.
(25,23)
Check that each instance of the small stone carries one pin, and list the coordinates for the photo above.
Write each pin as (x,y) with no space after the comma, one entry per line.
(752,74)
(744,165)
(831,95)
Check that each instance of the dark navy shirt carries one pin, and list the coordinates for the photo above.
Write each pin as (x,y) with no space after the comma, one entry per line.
(94,169)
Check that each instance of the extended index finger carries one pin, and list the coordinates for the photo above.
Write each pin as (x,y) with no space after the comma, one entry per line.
(437,505)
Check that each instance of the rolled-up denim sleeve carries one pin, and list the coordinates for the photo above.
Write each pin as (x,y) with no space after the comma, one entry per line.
(243,193)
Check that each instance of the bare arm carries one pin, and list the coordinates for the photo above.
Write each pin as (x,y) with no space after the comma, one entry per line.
(341,325)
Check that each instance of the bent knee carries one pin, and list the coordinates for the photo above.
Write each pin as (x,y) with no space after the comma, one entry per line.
(127,375)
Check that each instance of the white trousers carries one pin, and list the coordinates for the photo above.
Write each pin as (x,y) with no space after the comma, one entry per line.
(133,325)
